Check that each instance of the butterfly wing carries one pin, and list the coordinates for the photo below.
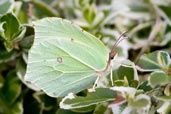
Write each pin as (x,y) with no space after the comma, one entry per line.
(64,58)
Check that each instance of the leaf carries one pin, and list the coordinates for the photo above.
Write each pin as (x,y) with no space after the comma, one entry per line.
(158,78)
(5,6)
(102,108)
(62,111)
(12,31)
(98,96)
(164,98)
(145,86)
(89,14)
(165,13)
(84,109)
(31,105)
(127,71)
(48,103)
(64,58)
(141,101)
(154,61)
(165,108)
(11,26)
(161,3)
(8,45)
(10,102)
(98,19)
(167,89)
(11,88)
(26,43)
(126,75)
(1,81)
(22,15)
(121,82)
(125,91)
(43,8)
(17,107)
(5,55)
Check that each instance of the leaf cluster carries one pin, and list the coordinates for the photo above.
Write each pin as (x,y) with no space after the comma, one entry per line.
(141,73)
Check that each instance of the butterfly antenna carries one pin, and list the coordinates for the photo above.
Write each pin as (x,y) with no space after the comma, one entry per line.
(121,37)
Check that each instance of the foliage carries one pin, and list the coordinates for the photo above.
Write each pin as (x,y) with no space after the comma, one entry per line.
(140,79)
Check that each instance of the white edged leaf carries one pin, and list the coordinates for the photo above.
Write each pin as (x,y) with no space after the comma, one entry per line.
(102,109)
(95,97)
(165,108)
(128,71)
(125,74)
(154,61)
(158,78)
(164,98)
(125,90)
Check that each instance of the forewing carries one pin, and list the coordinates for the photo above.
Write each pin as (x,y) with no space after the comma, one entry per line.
(64,58)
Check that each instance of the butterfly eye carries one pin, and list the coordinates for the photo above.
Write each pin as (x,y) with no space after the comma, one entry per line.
(59,59)
(111,55)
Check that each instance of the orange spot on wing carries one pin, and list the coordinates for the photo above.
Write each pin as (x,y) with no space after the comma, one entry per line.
(59,59)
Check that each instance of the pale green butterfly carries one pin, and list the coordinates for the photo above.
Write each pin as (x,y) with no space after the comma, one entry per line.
(64,58)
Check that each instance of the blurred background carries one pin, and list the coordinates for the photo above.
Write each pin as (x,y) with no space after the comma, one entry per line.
(147,22)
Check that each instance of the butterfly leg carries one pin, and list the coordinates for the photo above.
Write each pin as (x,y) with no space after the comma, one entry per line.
(111,76)
(98,77)
(111,73)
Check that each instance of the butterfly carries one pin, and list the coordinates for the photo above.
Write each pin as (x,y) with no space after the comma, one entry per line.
(64,58)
